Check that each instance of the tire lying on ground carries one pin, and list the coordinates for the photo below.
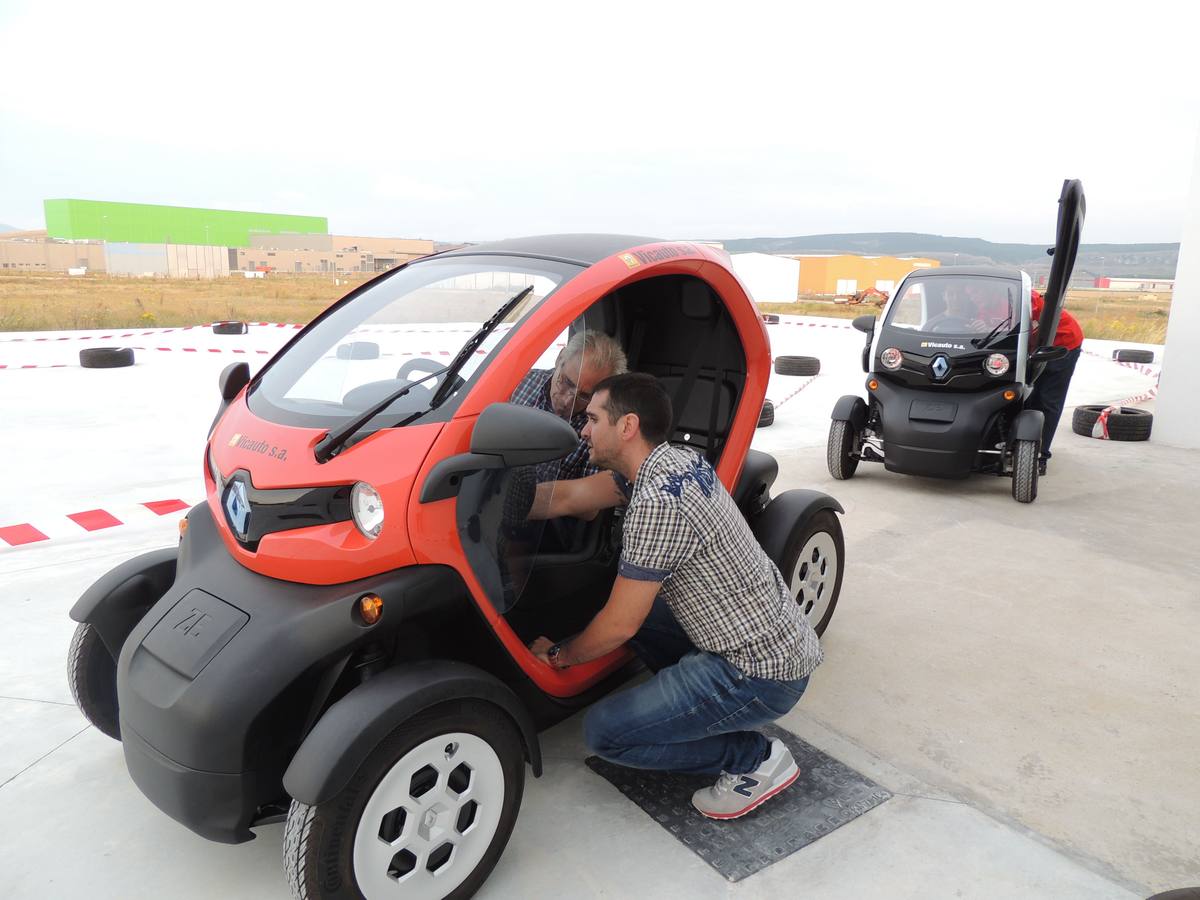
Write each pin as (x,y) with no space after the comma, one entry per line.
(1125,423)
(1134,356)
(230,327)
(106,357)
(770,319)
(767,416)
(797,365)
(358,350)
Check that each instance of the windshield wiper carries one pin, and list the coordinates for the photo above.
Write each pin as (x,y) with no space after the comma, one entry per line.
(333,441)
(983,342)
(472,344)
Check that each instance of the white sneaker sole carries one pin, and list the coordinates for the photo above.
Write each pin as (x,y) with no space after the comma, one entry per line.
(754,804)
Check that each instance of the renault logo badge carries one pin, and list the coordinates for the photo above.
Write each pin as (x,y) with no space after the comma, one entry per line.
(940,367)
(237,508)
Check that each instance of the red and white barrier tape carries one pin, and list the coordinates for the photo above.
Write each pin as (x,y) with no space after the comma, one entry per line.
(88,520)
(1137,367)
(810,380)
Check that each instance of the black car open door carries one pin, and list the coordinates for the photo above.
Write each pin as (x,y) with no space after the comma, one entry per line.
(1071,210)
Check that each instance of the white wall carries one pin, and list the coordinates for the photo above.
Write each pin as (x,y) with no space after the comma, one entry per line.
(1177,413)
(770,279)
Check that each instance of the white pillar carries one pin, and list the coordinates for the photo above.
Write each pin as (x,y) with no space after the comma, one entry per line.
(1177,412)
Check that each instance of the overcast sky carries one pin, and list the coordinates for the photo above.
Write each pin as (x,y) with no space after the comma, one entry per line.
(465,121)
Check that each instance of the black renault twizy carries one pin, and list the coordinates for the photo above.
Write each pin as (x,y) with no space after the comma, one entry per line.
(951,366)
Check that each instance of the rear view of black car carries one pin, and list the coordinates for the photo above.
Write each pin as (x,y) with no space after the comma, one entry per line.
(951,363)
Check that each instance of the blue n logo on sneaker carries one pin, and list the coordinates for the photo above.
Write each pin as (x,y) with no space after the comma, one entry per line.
(746,786)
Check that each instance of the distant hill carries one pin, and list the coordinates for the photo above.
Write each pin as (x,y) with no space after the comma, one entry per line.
(8,228)
(1147,260)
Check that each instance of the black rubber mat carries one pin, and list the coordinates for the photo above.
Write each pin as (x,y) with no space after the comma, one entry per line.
(826,796)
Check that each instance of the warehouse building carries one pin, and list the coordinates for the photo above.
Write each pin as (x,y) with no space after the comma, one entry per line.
(768,278)
(1135,284)
(845,274)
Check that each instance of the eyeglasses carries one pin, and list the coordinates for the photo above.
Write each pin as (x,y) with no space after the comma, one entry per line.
(569,386)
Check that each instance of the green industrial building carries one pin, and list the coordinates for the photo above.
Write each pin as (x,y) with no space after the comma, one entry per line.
(139,223)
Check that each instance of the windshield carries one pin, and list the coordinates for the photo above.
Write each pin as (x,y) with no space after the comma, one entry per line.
(398,330)
(967,305)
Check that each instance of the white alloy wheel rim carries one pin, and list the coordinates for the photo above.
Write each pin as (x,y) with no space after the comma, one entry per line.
(426,846)
(815,576)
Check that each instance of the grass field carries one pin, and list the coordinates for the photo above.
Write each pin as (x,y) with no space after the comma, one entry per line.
(49,302)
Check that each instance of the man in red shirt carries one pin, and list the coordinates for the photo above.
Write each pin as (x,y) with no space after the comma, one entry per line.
(1050,390)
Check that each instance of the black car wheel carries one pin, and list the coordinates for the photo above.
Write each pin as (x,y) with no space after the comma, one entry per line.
(92,675)
(426,815)
(813,564)
(840,453)
(106,357)
(1025,471)
(797,365)
(1125,423)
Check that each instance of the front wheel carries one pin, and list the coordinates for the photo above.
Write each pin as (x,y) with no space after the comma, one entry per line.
(813,562)
(426,815)
(1025,471)
(839,454)
(92,675)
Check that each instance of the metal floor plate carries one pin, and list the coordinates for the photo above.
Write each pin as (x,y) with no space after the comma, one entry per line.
(826,796)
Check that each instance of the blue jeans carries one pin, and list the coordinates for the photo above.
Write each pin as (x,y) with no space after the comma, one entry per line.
(1050,394)
(694,715)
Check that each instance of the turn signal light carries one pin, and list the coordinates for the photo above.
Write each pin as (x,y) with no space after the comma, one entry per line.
(1010,395)
(872,384)
(183,523)
(370,607)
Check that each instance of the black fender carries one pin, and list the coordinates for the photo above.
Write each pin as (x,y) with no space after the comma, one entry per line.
(1028,426)
(773,525)
(853,409)
(115,603)
(354,726)
(759,472)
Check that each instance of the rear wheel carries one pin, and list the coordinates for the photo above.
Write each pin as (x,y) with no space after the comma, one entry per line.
(426,815)
(839,454)
(813,563)
(1025,471)
(92,675)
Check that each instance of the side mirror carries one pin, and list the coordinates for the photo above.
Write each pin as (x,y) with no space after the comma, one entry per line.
(1047,354)
(234,377)
(865,324)
(505,435)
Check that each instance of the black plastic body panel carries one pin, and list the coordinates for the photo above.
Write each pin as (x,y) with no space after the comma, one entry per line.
(937,434)
(239,718)
(119,598)
(773,526)
(853,409)
(759,472)
(1028,426)
(351,728)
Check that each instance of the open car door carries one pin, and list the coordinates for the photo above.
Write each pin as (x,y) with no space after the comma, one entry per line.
(1071,210)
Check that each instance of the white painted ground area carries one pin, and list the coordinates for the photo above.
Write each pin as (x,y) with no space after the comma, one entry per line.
(75,825)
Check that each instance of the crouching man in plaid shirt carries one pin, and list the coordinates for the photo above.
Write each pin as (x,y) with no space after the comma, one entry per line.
(698,600)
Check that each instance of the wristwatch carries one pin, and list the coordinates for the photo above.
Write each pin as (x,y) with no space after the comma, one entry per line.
(553,653)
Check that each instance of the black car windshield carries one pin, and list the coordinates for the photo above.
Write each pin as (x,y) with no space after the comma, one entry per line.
(400,329)
(959,305)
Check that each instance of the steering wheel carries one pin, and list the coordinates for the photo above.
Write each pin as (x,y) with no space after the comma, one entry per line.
(950,324)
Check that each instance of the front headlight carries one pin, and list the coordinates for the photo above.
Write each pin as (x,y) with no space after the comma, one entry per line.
(996,364)
(213,470)
(891,358)
(366,506)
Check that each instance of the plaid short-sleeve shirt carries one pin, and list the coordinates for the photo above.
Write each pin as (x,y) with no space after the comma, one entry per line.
(682,528)
(534,390)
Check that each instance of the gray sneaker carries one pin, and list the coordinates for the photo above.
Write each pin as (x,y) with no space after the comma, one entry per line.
(735,795)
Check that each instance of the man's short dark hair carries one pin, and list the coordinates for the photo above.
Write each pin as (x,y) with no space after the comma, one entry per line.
(636,392)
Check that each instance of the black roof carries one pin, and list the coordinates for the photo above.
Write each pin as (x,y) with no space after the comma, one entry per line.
(993,271)
(584,249)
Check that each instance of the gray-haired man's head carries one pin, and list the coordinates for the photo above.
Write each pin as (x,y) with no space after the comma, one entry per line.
(588,358)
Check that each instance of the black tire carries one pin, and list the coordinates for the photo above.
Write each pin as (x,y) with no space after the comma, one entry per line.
(1134,356)
(1125,423)
(797,365)
(832,549)
(840,451)
(319,841)
(1025,471)
(767,416)
(106,357)
(92,675)
(770,319)
(358,350)
(230,328)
